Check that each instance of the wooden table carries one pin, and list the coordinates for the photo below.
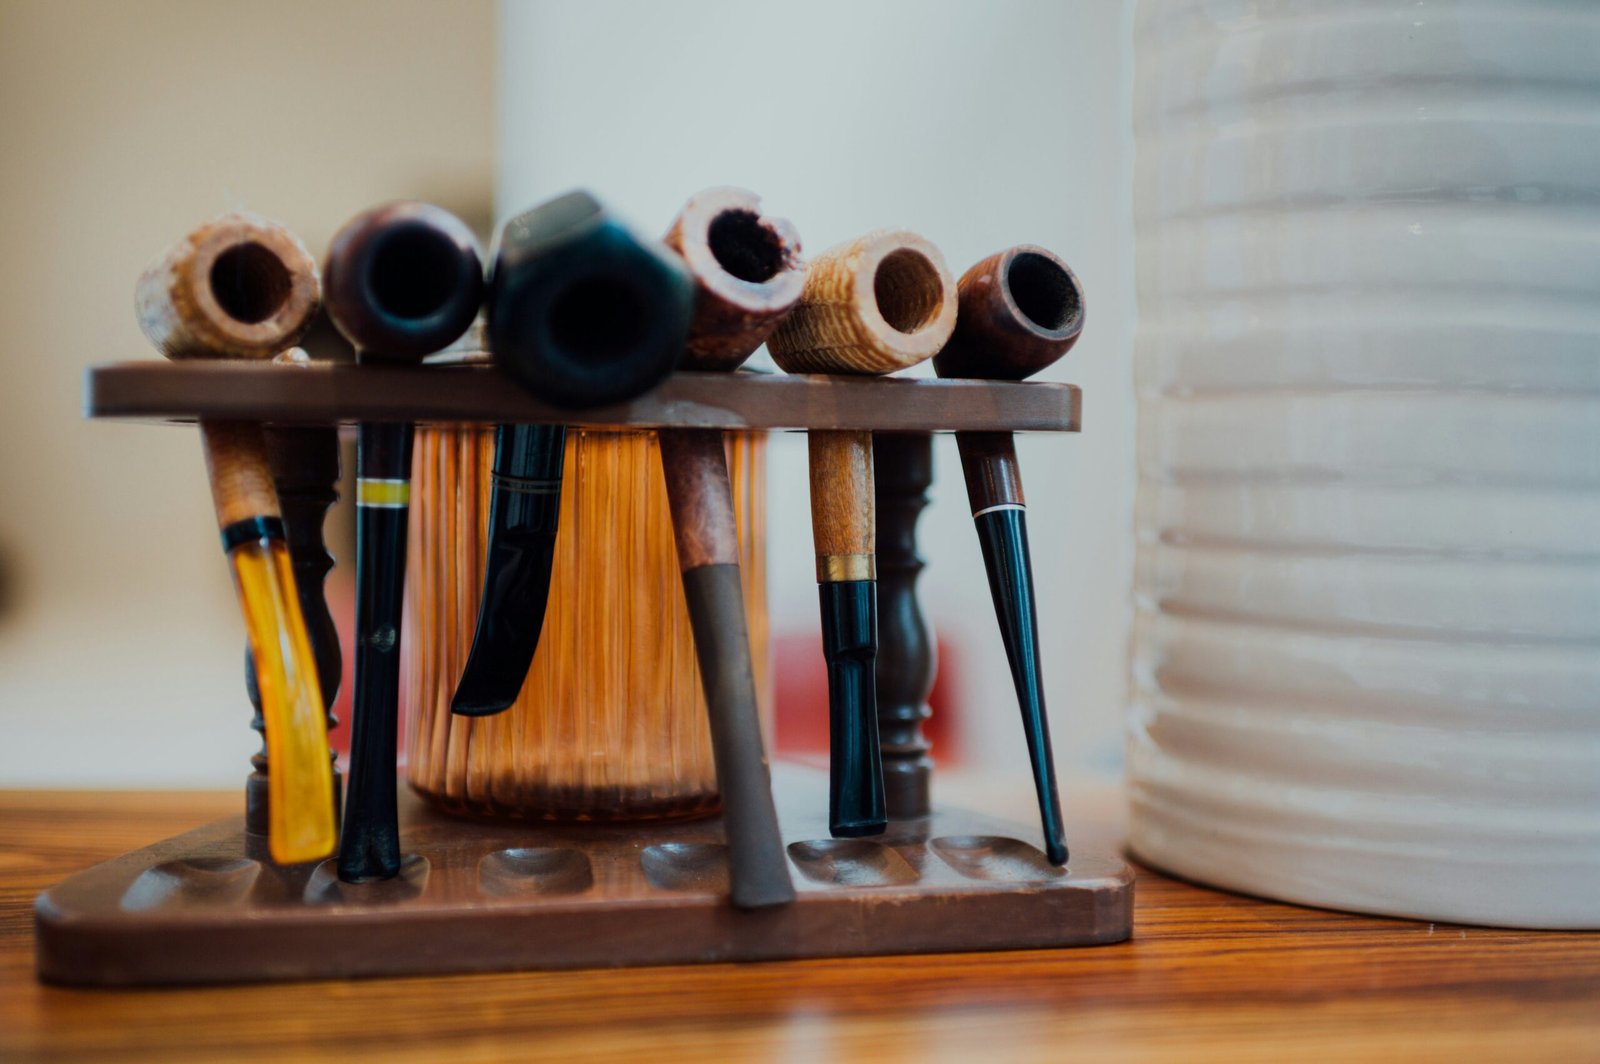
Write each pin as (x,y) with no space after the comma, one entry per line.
(1207,976)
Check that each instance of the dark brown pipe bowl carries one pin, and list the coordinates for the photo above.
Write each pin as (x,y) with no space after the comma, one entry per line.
(747,274)
(403,280)
(1020,310)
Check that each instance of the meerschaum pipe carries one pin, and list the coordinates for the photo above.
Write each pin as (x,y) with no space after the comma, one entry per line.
(1021,310)
(875,305)
(243,287)
(581,312)
(747,275)
(402,281)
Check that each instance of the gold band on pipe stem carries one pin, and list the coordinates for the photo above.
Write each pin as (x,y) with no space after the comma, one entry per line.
(838,568)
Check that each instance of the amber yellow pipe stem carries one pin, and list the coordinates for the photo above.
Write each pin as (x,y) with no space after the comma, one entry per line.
(300,823)
(240,286)
(300,806)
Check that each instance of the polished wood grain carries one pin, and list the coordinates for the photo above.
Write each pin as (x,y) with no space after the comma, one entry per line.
(842,517)
(989,464)
(1020,310)
(1207,977)
(484,896)
(322,394)
(695,466)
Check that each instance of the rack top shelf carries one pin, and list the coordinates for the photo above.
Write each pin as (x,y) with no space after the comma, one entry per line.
(325,393)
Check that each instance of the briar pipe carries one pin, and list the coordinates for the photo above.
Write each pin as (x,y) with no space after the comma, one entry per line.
(580,312)
(874,305)
(1020,311)
(240,286)
(402,281)
(747,276)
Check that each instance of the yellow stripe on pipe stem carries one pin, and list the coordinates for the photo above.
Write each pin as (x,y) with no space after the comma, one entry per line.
(391,494)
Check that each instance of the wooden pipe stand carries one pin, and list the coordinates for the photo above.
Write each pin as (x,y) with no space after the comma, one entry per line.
(210,906)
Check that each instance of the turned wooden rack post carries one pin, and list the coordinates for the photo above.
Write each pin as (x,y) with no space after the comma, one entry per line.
(907,654)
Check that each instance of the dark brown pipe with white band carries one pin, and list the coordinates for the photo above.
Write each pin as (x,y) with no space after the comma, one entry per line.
(875,305)
(243,287)
(747,274)
(403,280)
(1021,310)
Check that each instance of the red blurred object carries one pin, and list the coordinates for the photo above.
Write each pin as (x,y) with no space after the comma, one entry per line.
(800,681)
(340,591)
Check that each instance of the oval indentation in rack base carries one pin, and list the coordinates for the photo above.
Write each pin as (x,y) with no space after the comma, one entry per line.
(995,858)
(325,888)
(851,863)
(527,870)
(696,866)
(194,882)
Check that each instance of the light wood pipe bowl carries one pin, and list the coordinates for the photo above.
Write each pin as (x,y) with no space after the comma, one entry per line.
(240,286)
(877,304)
(880,303)
(874,305)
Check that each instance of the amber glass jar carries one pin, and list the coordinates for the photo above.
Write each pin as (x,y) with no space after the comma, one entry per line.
(611,724)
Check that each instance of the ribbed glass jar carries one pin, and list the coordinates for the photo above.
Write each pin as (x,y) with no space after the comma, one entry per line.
(1367,645)
(611,723)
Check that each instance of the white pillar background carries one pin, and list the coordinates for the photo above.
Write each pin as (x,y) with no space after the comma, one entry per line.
(978,125)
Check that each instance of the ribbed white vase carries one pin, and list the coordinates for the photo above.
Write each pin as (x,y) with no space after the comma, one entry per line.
(1367,648)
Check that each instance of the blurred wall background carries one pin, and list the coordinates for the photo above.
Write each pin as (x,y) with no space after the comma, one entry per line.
(980,125)
(122,125)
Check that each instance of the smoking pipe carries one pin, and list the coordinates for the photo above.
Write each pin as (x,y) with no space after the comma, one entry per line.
(874,305)
(240,286)
(402,281)
(747,276)
(1020,310)
(580,312)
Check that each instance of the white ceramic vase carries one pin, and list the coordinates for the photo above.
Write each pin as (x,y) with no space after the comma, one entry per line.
(1367,647)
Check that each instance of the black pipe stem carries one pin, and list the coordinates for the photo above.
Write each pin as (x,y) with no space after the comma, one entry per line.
(369,847)
(1003,534)
(850,644)
(524,508)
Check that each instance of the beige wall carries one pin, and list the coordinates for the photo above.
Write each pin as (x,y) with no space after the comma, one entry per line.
(122,125)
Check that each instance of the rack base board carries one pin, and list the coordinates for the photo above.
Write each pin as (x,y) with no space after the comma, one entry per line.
(208,906)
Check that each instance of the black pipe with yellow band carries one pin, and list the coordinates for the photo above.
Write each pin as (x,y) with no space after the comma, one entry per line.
(402,281)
